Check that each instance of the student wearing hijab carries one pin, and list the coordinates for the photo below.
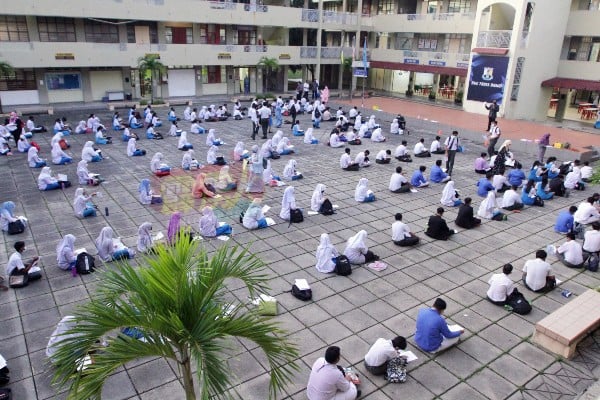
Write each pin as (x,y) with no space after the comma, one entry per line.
(60,139)
(377,136)
(362,194)
(210,226)
(175,230)
(268,174)
(183,143)
(288,203)
(211,156)
(199,189)
(84,175)
(256,182)
(127,134)
(107,251)
(450,196)
(34,159)
(465,218)
(146,195)
(158,167)
(309,137)
(65,253)
(284,147)
(100,138)
(7,215)
(23,144)
(528,194)
(267,148)
(89,154)
(318,197)
(47,182)
(226,182)
(488,208)
(145,241)
(239,153)
(132,151)
(357,250)
(254,217)
(83,205)
(395,127)
(59,157)
(152,134)
(81,128)
(4,147)
(188,162)
(326,255)
(290,173)
(211,140)
(503,155)
(334,140)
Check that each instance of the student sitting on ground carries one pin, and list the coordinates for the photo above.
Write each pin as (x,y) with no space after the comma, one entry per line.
(401,234)
(107,251)
(401,152)
(511,200)
(146,195)
(226,182)
(89,153)
(309,137)
(465,218)
(362,159)
(65,253)
(529,196)
(540,190)
(34,159)
(383,157)
(152,134)
(127,134)
(296,131)
(484,185)
(357,250)
(481,164)
(346,161)
(200,188)
(362,194)
(158,166)
(437,175)
(47,182)
(501,286)
(516,176)
(16,266)
(377,136)
(326,255)
(437,227)
(398,182)
(450,197)
(537,274)
(570,253)
(100,138)
(183,143)
(436,146)
(82,204)
(290,173)
(420,150)
(565,221)
(381,352)
(253,217)
(84,175)
(210,226)
(132,151)
(418,179)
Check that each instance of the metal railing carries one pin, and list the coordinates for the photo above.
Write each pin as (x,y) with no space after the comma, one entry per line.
(223,5)
(496,39)
(256,8)
(438,17)
(308,52)
(310,15)
(343,18)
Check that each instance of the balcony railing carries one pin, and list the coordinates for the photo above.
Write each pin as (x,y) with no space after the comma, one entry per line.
(223,5)
(342,18)
(496,39)
(438,17)
(434,55)
(326,52)
(256,8)
(309,15)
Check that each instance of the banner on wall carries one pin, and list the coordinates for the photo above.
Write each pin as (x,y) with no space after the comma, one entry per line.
(488,78)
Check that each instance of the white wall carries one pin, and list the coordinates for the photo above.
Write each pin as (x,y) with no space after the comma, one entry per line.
(182,82)
(105,81)
(15,97)
(214,88)
(65,96)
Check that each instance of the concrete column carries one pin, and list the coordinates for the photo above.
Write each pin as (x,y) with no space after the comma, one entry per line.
(344,6)
(341,78)
(319,38)
(198,71)
(32,28)
(412,76)
(160,32)
(436,84)
(122,29)
(196,34)
(79,30)
(41,85)
(86,85)
(305,37)
(357,43)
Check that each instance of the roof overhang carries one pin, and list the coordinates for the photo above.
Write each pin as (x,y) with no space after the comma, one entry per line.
(568,83)
(491,51)
(432,69)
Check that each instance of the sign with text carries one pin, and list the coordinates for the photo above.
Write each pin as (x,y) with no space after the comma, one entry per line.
(437,63)
(488,78)
(411,61)
(361,72)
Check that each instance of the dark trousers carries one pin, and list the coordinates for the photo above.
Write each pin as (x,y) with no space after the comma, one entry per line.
(254,129)
(409,241)
(450,161)
(379,370)
(264,123)
(491,146)
(490,120)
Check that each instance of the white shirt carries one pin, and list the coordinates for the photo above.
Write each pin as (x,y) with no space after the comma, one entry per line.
(381,351)
(586,172)
(14,262)
(498,181)
(265,112)
(452,142)
(591,241)
(537,270)
(435,146)
(325,381)
(396,181)
(345,160)
(501,286)
(510,198)
(573,178)
(253,114)
(400,151)
(352,113)
(419,148)
(381,155)
(400,231)
(586,213)
(572,252)
(494,132)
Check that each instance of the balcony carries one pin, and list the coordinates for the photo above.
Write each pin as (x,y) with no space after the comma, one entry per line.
(432,58)
(444,22)
(494,39)
(583,23)
(327,53)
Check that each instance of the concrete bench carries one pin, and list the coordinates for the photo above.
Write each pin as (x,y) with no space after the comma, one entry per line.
(35,110)
(178,102)
(560,331)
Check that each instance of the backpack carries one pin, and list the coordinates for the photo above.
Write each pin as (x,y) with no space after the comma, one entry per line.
(63,144)
(84,264)
(275,155)
(296,216)
(317,113)
(519,303)
(304,295)
(16,227)
(342,266)
(326,208)
(592,262)
(396,370)
(5,394)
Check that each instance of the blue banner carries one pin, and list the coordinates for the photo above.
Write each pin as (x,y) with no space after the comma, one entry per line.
(361,72)
(487,79)
(411,61)
(437,63)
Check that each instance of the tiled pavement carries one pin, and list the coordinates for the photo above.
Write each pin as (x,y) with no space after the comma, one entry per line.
(494,360)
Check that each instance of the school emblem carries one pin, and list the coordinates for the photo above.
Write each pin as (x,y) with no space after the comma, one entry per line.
(488,73)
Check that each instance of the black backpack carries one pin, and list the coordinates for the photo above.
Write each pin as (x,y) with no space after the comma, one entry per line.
(317,113)
(296,216)
(326,208)
(5,394)
(16,227)
(518,302)
(275,155)
(304,295)
(592,262)
(85,264)
(342,266)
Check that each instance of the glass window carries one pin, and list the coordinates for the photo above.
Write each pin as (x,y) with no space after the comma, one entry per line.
(459,6)
(177,35)
(212,74)
(330,6)
(366,7)
(63,81)
(152,28)
(244,35)
(22,79)
(432,6)
(13,29)
(99,32)
(386,7)
(352,6)
(53,29)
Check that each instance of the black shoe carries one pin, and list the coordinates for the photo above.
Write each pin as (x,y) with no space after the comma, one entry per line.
(358,393)
(264,137)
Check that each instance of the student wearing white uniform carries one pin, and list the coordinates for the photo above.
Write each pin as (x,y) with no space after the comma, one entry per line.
(210,226)
(89,154)
(357,250)
(106,247)
(254,217)
(183,144)
(211,140)
(288,203)
(570,252)
(487,208)
(591,241)
(501,286)
(16,266)
(362,194)
(326,255)
(395,127)
(145,240)
(59,157)
(383,157)
(537,274)
(318,197)
(82,204)
(377,136)
(268,174)
(450,196)
(132,150)
(239,153)
(290,173)
(334,140)
(309,138)
(511,200)
(401,152)
(381,352)
(420,150)
(346,161)
(398,182)
(34,159)
(65,253)
(362,159)
(586,212)
(436,146)
(401,234)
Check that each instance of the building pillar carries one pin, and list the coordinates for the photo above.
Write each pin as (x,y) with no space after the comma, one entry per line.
(436,84)
(32,28)
(86,85)
(412,76)
(41,85)
(319,40)
(79,30)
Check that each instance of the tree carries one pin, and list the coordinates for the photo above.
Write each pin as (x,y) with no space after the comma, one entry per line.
(151,64)
(178,301)
(347,67)
(269,65)
(6,71)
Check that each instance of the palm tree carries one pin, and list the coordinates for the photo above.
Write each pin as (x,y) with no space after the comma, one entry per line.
(6,71)
(270,65)
(178,301)
(151,64)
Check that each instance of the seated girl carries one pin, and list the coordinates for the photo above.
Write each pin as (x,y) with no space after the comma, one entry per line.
(172,116)
(309,138)
(110,249)
(196,128)
(89,154)
(188,162)
(284,147)
(155,120)
(536,172)
(81,128)
(127,134)
(488,208)
(239,153)
(318,198)
(529,194)
(23,144)
(226,182)
(267,149)
(377,136)
(60,139)
(183,144)
(450,196)
(83,205)
(4,147)
(47,182)
(290,173)
(117,122)
(211,140)
(288,203)
(200,189)
(326,255)
(132,150)
(145,240)
(174,129)
(334,140)
(253,217)
(60,127)
(34,159)
(357,250)
(541,191)
(158,167)
(134,123)
(296,129)
(553,170)
(210,226)
(59,157)
(277,138)
(268,175)
(7,215)
(65,253)
(187,113)
(362,194)
(85,177)
(146,195)
(100,138)
(213,158)
(152,134)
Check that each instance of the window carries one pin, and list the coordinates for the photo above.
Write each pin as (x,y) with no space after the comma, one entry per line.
(386,7)
(366,7)
(432,6)
(153,32)
(63,81)
(176,35)
(212,74)
(13,29)
(99,32)
(22,79)
(53,29)
(459,6)
(244,35)
(427,41)
(330,6)
(352,6)
(212,34)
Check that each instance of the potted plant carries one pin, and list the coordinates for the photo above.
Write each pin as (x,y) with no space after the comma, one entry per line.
(458,98)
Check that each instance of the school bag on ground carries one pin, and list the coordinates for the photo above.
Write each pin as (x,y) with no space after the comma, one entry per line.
(326,208)
(396,370)
(342,266)
(16,227)
(592,262)
(304,294)
(518,303)
(85,263)
(296,216)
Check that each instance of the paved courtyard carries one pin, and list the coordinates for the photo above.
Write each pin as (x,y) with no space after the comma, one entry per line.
(494,360)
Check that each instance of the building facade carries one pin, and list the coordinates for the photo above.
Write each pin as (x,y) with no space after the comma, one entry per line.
(521,53)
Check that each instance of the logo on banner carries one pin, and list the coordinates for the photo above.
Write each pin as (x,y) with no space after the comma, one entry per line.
(488,74)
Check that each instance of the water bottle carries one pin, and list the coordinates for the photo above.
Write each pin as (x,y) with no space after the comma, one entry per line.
(106,211)
(566,293)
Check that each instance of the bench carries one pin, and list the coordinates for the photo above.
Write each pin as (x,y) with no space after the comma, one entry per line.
(561,330)
(41,109)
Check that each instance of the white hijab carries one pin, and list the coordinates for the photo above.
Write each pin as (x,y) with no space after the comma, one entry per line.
(324,253)
(377,136)
(277,137)
(290,169)
(448,194)
(317,197)
(106,235)
(239,149)
(287,202)
(67,242)
(357,241)
(188,156)
(45,175)
(56,138)
(308,136)
(88,151)
(183,140)
(266,148)
(58,334)
(487,206)
(361,189)
(268,172)
(131,147)
(144,236)
(57,152)
(210,138)
(79,202)
(32,154)
(156,161)
(211,155)
(82,166)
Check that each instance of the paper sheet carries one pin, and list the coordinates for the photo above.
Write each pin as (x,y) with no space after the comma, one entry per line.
(223,238)
(61,177)
(455,328)
(302,284)
(312,212)
(158,236)
(335,206)
(270,221)
(412,190)
(410,356)
(265,208)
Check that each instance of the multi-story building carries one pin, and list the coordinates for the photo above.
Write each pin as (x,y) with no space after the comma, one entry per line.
(521,53)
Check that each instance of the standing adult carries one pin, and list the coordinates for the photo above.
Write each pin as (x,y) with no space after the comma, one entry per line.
(542,143)
(265,114)
(253,114)
(432,333)
(493,136)
(492,113)
(452,144)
